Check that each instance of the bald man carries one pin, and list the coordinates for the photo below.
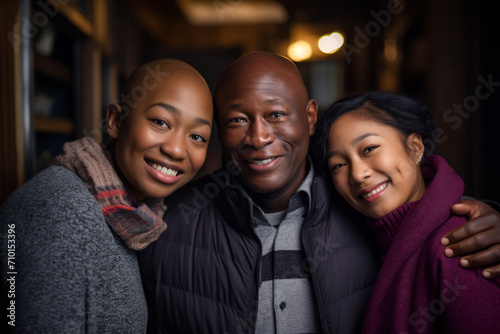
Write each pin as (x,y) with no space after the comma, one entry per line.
(261,246)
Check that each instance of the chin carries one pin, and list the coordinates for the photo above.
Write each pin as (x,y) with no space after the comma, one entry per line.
(161,193)
(258,189)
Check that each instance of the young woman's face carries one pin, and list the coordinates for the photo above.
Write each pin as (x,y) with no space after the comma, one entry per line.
(163,142)
(371,167)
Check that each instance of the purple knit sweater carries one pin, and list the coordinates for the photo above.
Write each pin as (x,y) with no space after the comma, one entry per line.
(418,289)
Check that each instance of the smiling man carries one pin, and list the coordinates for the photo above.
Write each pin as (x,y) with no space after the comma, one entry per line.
(269,249)
(264,125)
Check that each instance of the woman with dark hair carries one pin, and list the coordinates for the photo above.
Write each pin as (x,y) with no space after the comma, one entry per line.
(378,148)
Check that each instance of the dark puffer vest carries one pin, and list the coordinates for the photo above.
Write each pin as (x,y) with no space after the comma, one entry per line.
(201,275)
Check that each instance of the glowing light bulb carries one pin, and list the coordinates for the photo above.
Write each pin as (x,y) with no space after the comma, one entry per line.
(330,43)
(299,51)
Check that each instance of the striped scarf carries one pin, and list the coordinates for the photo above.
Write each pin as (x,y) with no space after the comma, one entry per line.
(138,224)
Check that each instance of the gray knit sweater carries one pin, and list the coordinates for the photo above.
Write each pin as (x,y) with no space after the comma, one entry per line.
(72,274)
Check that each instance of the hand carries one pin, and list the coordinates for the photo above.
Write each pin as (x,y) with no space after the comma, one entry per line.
(480,234)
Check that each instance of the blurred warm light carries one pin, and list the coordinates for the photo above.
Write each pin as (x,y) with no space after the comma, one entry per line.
(391,49)
(299,51)
(233,12)
(330,43)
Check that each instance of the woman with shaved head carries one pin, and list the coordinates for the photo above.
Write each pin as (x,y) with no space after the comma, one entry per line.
(74,228)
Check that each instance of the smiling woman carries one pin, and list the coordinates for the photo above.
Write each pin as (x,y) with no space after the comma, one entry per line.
(372,145)
(80,221)
(374,166)
(168,128)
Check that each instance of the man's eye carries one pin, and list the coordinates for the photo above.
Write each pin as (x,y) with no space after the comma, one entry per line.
(237,120)
(277,114)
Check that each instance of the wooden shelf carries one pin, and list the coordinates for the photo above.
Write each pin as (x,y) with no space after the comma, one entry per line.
(76,16)
(54,125)
(52,68)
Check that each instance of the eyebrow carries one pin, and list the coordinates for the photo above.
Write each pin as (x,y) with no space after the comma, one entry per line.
(353,142)
(360,138)
(173,109)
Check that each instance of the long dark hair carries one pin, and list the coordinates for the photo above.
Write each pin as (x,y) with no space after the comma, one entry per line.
(405,114)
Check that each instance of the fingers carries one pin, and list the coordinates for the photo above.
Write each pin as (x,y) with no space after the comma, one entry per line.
(483,259)
(471,208)
(459,238)
(492,272)
(471,240)
(461,208)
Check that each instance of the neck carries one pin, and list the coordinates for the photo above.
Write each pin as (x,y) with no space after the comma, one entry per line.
(271,202)
(278,200)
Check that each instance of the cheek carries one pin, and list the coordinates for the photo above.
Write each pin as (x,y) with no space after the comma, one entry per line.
(394,165)
(197,158)
(135,139)
(231,139)
(298,136)
(407,169)
(231,144)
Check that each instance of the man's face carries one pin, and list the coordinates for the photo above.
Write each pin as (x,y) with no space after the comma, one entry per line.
(264,127)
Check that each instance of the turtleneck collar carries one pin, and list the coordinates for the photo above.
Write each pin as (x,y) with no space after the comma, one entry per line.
(387,227)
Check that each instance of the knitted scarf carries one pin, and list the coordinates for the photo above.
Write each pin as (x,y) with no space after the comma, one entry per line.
(137,224)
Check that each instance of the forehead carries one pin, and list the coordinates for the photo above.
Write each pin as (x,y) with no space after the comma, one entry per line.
(178,86)
(185,93)
(351,125)
(264,89)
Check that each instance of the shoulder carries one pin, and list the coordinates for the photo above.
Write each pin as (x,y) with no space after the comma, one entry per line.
(201,194)
(55,190)
(434,241)
(54,183)
(188,194)
(443,266)
(53,206)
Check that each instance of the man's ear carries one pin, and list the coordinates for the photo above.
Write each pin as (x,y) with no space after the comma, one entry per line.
(114,115)
(312,115)
(415,146)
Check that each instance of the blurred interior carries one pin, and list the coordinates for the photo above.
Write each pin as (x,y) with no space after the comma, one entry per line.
(62,63)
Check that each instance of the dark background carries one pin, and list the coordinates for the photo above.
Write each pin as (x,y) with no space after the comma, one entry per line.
(439,51)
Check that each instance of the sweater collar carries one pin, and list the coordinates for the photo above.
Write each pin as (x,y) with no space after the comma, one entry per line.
(444,189)
(387,227)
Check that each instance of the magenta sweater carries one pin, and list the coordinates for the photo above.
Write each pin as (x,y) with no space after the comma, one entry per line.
(419,289)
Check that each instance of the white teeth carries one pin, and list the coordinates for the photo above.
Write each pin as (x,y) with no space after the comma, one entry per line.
(262,162)
(374,191)
(164,170)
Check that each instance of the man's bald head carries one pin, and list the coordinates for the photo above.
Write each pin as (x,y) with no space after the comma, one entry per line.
(265,120)
(256,66)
